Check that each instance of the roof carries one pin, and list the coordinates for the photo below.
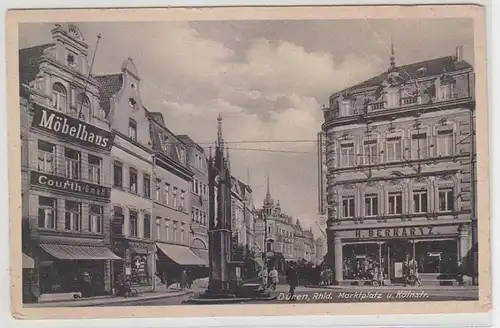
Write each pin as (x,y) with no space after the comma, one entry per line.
(156,130)
(158,117)
(108,86)
(411,71)
(29,59)
(189,142)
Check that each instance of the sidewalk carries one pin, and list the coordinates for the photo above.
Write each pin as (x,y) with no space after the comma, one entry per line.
(399,287)
(110,300)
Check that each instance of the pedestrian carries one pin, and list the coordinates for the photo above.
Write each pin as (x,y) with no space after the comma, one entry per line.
(274,278)
(183,279)
(292,279)
(264,277)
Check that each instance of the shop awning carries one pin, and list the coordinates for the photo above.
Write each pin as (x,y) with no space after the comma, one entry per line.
(203,254)
(181,255)
(79,252)
(28,262)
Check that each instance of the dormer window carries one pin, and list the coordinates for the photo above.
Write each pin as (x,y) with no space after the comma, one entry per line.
(164,142)
(345,108)
(393,98)
(132,130)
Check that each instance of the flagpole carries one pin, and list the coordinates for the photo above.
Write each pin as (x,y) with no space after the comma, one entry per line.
(90,73)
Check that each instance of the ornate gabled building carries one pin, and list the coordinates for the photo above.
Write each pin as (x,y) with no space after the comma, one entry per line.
(65,161)
(399,150)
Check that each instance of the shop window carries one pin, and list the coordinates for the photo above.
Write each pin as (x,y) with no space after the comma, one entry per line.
(139,272)
(73,216)
(371,205)
(348,207)
(167,230)
(95,167)
(118,174)
(419,146)
(166,199)
(446,199)
(95,218)
(59,97)
(420,200)
(73,163)
(395,203)
(158,228)
(132,130)
(47,209)
(370,153)
(134,227)
(445,144)
(347,154)
(118,219)
(437,256)
(147,226)
(46,157)
(158,190)
(394,146)
(83,106)
(146,188)
(133,180)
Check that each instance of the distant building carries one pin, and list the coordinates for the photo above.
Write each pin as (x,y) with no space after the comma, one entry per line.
(398,154)
(65,162)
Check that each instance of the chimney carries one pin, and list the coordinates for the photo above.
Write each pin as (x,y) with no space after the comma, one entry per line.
(459,56)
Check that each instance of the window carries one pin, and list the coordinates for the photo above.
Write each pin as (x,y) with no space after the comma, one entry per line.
(446,199)
(269,229)
(118,174)
(59,97)
(47,209)
(95,164)
(269,246)
(347,154)
(393,98)
(83,106)
(132,103)
(134,231)
(445,145)
(167,230)
(175,197)
(147,225)
(345,108)
(167,194)
(419,146)
(158,228)
(370,152)
(95,218)
(420,201)
(175,227)
(445,92)
(394,149)
(204,219)
(158,190)
(73,164)
(132,130)
(73,214)
(70,60)
(395,203)
(133,180)
(146,187)
(196,186)
(182,198)
(182,232)
(371,205)
(348,207)
(204,189)
(118,219)
(46,157)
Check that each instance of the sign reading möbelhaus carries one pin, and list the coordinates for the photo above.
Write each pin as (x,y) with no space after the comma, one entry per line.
(68,185)
(71,128)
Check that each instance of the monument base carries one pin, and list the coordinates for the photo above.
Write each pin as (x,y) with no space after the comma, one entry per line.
(245,293)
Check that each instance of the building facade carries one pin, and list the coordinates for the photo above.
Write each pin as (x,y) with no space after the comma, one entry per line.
(399,158)
(66,143)
(132,171)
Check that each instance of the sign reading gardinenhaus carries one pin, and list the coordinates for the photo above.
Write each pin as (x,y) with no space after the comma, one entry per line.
(65,184)
(71,128)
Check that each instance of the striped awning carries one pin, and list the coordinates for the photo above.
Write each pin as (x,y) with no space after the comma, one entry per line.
(28,262)
(181,255)
(79,252)
(203,254)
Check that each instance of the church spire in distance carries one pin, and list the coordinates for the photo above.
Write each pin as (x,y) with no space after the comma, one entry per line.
(392,58)
(220,138)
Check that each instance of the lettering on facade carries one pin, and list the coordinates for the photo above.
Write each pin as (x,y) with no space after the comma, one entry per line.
(64,184)
(395,232)
(71,128)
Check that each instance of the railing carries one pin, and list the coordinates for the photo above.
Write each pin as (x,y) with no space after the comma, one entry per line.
(409,100)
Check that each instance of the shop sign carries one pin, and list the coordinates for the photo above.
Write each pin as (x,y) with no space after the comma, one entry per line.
(68,185)
(71,128)
(395,232)
(139,264)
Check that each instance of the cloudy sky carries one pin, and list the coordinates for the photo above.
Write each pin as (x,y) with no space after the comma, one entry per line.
(268,79)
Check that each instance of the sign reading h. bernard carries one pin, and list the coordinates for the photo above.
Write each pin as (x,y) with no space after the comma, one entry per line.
(64,184)
(71,128)
(396,232)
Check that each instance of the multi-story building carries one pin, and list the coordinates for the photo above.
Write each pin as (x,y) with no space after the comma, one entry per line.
(131,198)
(309,245)
(399,158)
(249,217)
(298,242)
(320,250)
(197,162)
(174,204)
(65,160)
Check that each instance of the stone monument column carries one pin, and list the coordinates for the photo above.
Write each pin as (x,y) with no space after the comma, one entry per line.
(339,272)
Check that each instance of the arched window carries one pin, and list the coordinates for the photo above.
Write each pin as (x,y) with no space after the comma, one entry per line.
(59,97)
(132,129)
(269,246)
(83,106)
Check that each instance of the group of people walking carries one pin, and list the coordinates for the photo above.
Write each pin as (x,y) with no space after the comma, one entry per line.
(271,279)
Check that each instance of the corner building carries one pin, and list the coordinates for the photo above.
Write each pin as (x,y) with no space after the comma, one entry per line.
(65,146)
(399,160)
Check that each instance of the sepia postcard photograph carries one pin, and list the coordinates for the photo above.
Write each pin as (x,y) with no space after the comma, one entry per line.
(248,161)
